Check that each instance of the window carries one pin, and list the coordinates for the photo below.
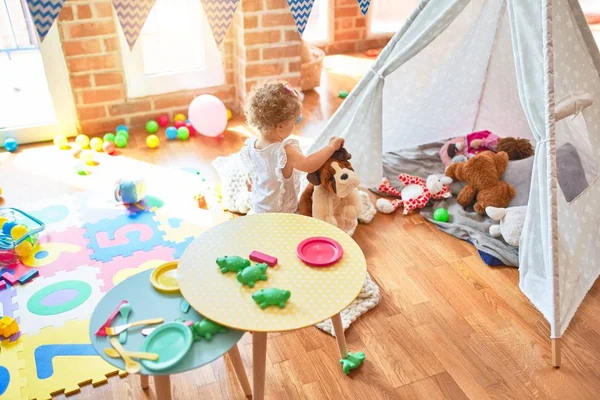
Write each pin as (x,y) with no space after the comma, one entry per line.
(33,76)
(387,16)
(175,51)
(318,27)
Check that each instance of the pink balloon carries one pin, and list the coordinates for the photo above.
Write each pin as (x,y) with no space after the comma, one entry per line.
(208,115)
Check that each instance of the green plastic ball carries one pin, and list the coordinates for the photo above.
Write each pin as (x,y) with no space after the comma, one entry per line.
(109,137)
(120,141)
(124,133)
(441,215)
(342,94)
(151,126)
(183,133)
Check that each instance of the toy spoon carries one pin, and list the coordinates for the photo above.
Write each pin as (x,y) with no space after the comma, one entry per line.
(124,311)
(132,367)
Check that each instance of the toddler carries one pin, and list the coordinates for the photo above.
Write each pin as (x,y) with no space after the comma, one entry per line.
(274,161)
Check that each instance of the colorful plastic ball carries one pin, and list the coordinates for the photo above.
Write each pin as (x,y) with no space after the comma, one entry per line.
(229,114)
(163,121)
(342,94)
(82,140)
(179,124)
(171,133)
(17,231)
(87,156)
(183,133)
(441,215)
(61,142)
(179,117)
(96,144)
(151,126)
(152,141)
(123,133)
(109,137)
(208,115)
(120,141)
(24,249)
(188,125)
(122,128)
(109,147)
(10,145)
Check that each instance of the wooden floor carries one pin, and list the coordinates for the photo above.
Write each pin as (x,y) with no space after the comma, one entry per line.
(447,326)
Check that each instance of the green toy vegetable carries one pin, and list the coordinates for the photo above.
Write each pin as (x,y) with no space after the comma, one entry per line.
(206,329)
(249,276)
(271,297)
(232,263)
(352,361)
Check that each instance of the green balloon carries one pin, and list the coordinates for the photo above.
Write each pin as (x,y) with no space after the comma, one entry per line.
(441,215)
(109,137)
(120,141)
(183,133)
(124,133)
(151,126)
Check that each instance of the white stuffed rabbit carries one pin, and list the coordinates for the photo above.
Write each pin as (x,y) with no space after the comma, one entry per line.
(511,223)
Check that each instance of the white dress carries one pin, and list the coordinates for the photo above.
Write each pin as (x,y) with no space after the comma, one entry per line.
(271,192)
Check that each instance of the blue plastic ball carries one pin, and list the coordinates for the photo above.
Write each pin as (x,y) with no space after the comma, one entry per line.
(171,133)
(299,119)
(122,128)
(10,144)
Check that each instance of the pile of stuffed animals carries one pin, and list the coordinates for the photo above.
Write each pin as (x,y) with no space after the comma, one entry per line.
(479,161)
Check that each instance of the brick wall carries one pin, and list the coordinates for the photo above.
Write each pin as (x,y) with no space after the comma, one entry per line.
(350,30)
(88,30)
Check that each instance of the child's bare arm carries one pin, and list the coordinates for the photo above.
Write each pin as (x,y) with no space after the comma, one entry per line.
(313,162)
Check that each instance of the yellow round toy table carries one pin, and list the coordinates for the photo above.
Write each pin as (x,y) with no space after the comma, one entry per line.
(316,293)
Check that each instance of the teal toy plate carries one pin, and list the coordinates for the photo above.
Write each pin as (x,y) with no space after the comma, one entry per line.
(171,341)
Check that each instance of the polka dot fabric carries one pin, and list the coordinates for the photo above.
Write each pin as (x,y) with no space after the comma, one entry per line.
(317,293)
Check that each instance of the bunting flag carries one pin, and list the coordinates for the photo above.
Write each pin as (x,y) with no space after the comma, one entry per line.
(43,13)
(301,11)
(132,14)
(220,14)
(364,6)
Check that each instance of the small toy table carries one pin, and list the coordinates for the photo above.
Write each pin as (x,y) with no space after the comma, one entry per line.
(316,293)
(146,303)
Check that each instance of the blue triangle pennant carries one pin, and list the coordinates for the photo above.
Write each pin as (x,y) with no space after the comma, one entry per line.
(364,6)
(301,11)
(43,13)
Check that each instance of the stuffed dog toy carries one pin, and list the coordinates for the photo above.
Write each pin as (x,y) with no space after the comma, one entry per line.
(482,175)
(332,194)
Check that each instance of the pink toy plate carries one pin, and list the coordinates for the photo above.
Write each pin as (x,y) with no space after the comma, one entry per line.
(319,251)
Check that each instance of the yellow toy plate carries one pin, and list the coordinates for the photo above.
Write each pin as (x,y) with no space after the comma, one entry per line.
(164,278)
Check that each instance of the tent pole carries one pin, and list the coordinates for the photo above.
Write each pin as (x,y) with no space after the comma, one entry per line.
(556,352)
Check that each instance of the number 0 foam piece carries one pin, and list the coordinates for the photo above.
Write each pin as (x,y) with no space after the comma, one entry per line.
(51,301)
(58,360)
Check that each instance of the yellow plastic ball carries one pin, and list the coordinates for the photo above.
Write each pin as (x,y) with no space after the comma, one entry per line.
(24,249)
(17,231)
(179,117)
(2,221)
(96,144)
(229,114)
(82,140)
(87,156)
(61,142)
(152,141)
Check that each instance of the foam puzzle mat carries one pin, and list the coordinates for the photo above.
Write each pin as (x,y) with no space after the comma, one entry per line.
(90,244)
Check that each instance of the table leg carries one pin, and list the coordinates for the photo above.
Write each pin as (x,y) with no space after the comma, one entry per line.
(259,360)
(339,334)
(238,366)
(162,386)
(144,381)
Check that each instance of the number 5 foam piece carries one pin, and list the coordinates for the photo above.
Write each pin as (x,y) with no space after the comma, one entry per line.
(264,258)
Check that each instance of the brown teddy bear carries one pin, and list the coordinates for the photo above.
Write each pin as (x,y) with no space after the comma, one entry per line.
(332,195)
(482,175)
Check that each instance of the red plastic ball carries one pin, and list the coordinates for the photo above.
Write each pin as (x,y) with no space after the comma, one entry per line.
(109,147)
(179,124)
(190,128)
(163,121)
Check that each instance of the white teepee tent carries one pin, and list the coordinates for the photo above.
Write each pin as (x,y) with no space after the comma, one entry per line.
(458,66)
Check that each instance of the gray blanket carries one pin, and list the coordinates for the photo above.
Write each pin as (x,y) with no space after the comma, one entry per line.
(464,224)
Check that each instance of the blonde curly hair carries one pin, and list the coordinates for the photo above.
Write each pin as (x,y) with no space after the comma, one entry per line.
(271,104)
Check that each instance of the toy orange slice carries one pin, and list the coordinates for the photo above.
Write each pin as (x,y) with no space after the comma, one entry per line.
(164,278)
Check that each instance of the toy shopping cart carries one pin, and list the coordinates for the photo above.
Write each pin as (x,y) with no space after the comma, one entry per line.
(18,234)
